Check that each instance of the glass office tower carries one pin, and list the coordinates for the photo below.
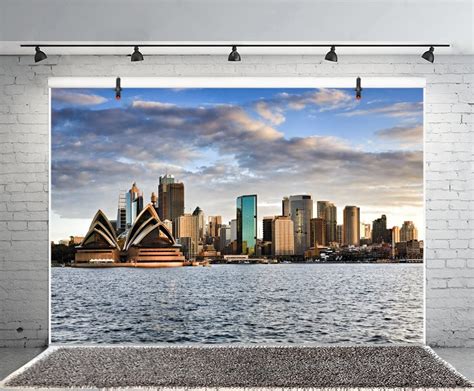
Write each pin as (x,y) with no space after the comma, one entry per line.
(247,224)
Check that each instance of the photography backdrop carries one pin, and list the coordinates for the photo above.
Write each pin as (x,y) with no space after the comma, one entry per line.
(24,91)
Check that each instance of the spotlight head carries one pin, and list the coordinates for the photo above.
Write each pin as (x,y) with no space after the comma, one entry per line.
(234,54)
(136,55)
(358,89)
(331,55)
(39,55)
(118,89)
(429,54)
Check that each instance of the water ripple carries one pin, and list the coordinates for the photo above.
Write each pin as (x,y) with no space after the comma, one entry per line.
(291,304)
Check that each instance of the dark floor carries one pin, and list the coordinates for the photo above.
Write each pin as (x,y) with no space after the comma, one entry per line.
(13,358)
(243,367)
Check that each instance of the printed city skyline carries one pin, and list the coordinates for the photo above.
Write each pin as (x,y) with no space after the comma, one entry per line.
(223,143)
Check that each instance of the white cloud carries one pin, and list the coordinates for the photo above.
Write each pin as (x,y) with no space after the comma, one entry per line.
(77,98)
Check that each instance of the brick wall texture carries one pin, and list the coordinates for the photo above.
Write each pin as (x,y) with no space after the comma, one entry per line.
(24,198)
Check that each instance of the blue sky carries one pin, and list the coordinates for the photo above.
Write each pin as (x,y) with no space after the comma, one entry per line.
(225,142)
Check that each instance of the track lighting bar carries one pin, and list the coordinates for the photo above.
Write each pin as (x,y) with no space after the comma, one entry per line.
(247,45)
(234,55)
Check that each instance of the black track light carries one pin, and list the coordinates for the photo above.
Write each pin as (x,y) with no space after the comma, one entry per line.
(136,55)
(39,55)
(234,54)
(429,54)
(331,55)
(358,89)
(118,89)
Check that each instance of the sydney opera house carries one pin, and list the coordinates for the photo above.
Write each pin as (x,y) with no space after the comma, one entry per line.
(147,243)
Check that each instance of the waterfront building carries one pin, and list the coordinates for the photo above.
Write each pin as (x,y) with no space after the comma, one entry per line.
(411,249)
(301,213)
(247,224)
(214,224)
(395,235)
(282,236)
(224,237)
(318,232)
(351,226)
(133,204)
(327,210)
(201,222)
(267,228)
(187,226)
(233,230)
(122,212)
(339,234)
(368,231)
(168,224)
(170,198)
(186,244)
(408,232)
(148,243)
(380,233)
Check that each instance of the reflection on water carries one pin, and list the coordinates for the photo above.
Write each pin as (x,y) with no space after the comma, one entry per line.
(290,304)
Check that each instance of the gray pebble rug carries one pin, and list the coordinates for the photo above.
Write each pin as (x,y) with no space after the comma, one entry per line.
(237,367)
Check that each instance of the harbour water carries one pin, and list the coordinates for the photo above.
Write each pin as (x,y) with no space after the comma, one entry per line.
(252,304)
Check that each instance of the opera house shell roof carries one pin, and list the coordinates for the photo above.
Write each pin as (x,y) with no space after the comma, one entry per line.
(148,243)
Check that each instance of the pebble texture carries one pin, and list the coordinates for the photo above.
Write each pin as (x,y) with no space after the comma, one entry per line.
(24,162)
(100,367)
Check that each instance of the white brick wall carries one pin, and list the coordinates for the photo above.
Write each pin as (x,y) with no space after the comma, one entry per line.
(24,174)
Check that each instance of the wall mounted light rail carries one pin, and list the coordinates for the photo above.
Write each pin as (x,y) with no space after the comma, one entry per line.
(234,55)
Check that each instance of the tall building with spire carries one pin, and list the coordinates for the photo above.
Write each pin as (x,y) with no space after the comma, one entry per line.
(170,198)
(133,204)
(351,226)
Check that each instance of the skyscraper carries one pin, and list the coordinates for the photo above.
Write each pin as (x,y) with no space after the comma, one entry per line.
(285,206)
(328,211)
(133,204)
(199,214)
(318,232)
(339,234)
(282,236)
(267,228)
(351,226)
(187,226)
(247,224)
(395,235)
(408,232)
(301,212)
(233,230)
(366,231)
(170,198)
(379,231)
(122,212)
(224,237)
(215,223)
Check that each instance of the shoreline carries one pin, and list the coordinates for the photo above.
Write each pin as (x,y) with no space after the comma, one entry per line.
(169,265)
